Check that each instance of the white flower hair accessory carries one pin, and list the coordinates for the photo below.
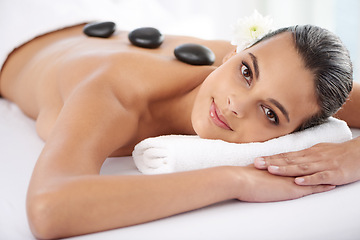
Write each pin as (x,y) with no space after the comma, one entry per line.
(250,29)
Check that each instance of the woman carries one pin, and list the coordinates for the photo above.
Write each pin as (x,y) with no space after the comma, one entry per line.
(93,98)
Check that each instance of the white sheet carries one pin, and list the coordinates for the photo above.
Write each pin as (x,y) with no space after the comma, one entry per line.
(331,215)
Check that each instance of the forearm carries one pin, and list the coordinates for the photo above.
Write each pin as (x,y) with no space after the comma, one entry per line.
(94,203)
(351,110)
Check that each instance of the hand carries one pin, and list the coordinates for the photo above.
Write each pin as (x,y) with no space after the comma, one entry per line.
(324,163)
(261,186)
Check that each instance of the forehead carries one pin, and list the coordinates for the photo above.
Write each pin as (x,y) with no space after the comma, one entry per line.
(283,74)
(277,50)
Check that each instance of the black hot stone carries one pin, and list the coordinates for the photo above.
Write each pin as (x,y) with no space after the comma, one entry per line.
(146,37)
(100,29)
(194,54)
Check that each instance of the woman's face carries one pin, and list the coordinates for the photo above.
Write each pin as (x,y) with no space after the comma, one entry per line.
(261,93)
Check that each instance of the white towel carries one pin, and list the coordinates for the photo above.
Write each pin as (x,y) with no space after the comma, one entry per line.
(174,153)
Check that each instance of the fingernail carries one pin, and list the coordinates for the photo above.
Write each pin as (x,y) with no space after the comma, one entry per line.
(273,168)
(299,180)
(260,161)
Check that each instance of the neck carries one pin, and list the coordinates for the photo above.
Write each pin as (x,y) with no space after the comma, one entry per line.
(175,113)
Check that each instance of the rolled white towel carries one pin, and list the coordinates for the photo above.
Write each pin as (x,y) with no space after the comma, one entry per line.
(174,153)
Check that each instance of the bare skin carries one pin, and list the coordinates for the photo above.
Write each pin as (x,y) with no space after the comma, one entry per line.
(89,103)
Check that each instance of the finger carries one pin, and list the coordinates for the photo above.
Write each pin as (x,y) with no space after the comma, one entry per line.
(300,169)
(265,162)
(324,177)
(260,163)
(322,188)
(307,190)
(281,159)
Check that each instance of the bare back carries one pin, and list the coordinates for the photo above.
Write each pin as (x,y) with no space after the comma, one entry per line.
(53,69)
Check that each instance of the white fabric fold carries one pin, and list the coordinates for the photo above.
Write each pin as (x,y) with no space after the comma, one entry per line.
(174,153)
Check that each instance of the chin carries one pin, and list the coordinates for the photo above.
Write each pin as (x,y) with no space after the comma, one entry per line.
(205,130)
(202,133)
(227,137)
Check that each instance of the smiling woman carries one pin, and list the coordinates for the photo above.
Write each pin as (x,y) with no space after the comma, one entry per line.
(93,98)
(267,91)
(258,94)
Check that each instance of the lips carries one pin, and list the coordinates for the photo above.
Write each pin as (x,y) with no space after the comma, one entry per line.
(217,118)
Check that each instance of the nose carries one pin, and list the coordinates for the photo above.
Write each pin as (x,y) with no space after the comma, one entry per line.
(237,105)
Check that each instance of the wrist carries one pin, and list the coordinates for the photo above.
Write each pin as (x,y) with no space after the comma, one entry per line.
(234,179)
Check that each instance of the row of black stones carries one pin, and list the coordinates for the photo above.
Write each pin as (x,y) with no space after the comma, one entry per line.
(190,53)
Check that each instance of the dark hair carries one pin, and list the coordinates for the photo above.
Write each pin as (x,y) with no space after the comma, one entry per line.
(328,59)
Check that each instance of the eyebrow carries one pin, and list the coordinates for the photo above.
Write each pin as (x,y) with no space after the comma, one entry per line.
(280,107)
(255,64)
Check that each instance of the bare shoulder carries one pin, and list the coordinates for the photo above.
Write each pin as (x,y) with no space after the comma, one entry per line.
(146,76)
(91,125)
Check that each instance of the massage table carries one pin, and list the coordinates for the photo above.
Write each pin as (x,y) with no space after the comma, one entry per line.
(330,215)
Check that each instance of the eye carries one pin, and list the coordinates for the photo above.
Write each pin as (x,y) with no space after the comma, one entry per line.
(271,115)
(246,73)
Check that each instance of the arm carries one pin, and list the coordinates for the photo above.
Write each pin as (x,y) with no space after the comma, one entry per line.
(325,163)
(68,197)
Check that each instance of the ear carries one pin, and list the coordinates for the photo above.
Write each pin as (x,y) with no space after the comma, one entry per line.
(229,55)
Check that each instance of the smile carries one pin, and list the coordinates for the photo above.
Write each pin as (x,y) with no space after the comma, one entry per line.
(217,118)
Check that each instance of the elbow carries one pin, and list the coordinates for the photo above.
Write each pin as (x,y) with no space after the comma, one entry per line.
(42,216)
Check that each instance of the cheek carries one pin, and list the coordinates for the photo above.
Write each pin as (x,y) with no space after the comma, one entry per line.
(259,134)
(254,129)
(252,132)
(200,112)
(248,131)
(218,80)
(196,122)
